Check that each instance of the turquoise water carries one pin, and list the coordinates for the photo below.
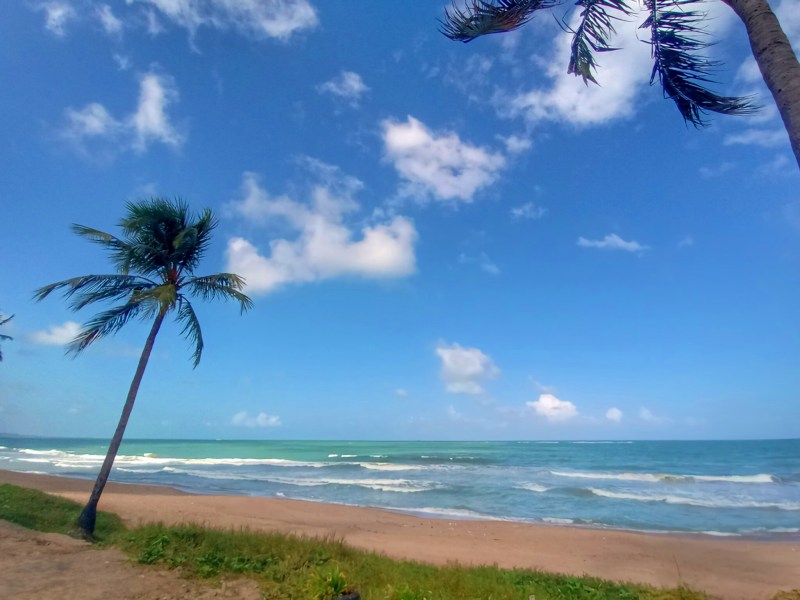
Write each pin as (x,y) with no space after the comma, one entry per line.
(717,488)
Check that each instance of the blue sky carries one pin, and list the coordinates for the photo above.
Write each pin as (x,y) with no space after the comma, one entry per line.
(443,241)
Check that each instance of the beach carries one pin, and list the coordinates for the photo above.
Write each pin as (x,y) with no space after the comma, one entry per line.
(726,568)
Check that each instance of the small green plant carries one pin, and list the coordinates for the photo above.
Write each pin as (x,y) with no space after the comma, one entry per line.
(327,585)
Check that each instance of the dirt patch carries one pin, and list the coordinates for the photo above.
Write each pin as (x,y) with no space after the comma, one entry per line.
(49,566)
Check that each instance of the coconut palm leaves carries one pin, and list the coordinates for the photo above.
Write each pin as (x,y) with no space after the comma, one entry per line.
(162,244)
(480,17)
(679,64)
(592,34)
(677,48)
(3,337)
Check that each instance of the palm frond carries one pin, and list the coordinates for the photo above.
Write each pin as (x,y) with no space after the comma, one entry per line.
(88,289)
(680,66)
(191,327)
(592,34)
(482,17)
(3,337)
(226,286)
(103,324)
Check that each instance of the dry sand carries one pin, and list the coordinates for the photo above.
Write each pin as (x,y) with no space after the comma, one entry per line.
(726,568)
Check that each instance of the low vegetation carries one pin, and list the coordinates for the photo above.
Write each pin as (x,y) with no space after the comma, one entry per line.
(291,567)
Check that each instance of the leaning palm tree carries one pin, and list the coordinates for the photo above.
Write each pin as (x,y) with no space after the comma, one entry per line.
(3,337)
(677,45)
(161,246)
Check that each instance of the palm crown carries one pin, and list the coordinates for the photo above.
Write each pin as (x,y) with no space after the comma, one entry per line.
(162,245)
(675,39)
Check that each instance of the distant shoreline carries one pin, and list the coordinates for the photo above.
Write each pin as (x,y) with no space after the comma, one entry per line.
(731,568)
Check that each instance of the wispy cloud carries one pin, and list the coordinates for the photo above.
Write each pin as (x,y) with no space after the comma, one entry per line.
(262,419)
(279,19)
(614,415)
(348,86)
(486,264)
(438,165)
(57,335)
(111,24)
(57,14)
(94,125)
(529,211)
(464,369)
(767,138)
(612,242)
(326,245)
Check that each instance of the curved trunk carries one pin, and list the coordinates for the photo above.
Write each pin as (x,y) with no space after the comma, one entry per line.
(88,516)
(776,60)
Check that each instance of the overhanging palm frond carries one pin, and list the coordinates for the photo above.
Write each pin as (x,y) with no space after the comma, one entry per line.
(103,324)
(680,66)
(592,34)
(226,286)
(94,288)
(191,327)
(482,17)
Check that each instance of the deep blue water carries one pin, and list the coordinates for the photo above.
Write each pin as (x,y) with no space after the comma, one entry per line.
(713,487)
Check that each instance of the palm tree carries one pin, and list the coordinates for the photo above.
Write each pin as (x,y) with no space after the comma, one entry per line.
(677,48)
(3,338)
(155,259)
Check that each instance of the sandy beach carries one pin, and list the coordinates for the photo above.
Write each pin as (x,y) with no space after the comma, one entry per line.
(726,568)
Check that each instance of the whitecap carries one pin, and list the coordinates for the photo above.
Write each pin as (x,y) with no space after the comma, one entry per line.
(558,521)
(533,487)
(670,499)
(668,477)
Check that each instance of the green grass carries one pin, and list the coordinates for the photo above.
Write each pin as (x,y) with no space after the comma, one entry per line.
(36,510)
(290,567)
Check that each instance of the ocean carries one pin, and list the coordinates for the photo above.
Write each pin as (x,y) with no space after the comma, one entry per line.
(721,488)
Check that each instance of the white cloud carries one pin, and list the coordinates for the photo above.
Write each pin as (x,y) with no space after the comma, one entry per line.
(438,165)
(612,242)
(262,419)
(111,24)
(149,123)
(348,86)
(614,414)
(401,392)
(622,74)
(516,144)
(464,368)
(529,210)
(57,335)
(686,242)
(768,138)
(260,19)
(552,408)
(325,245)
(56,16)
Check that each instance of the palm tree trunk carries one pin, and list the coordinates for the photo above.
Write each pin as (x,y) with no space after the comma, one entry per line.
(777,61)
(88,516)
